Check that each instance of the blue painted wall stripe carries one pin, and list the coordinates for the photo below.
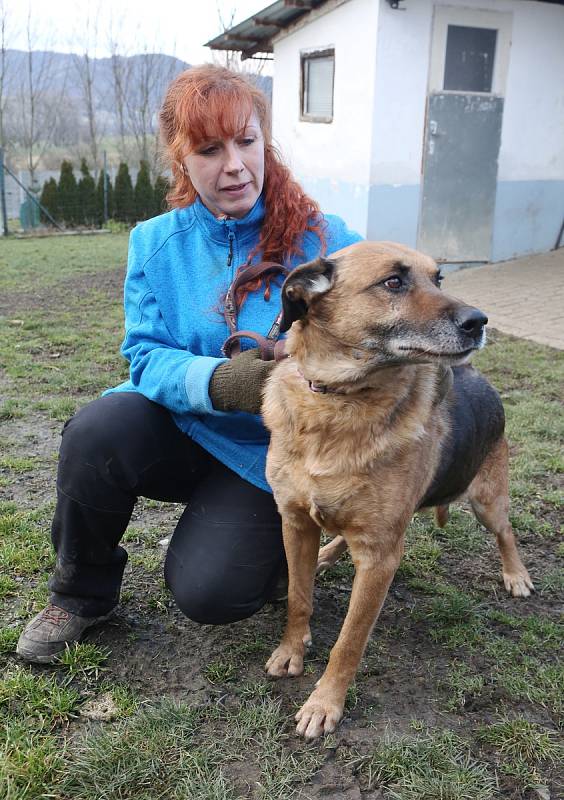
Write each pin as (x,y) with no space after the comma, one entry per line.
(527,217)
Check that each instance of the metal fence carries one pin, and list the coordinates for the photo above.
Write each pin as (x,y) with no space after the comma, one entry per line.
(19,196)
(15,195)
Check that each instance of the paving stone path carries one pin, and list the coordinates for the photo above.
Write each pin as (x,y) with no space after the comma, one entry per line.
(524,297)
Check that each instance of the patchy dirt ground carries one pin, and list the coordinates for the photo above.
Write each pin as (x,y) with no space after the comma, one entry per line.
(423,651)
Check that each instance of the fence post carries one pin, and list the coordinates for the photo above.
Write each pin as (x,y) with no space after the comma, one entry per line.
(3,194)
(559,237)
(105,189)
(32,197)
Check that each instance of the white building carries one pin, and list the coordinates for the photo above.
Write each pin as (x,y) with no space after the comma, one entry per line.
(436,124)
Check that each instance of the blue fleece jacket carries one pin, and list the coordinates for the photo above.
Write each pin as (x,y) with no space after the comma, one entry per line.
(180,265)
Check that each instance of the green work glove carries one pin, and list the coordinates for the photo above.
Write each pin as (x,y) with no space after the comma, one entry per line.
(237,384)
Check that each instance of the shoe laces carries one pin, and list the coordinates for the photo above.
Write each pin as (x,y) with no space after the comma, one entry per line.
(55,614)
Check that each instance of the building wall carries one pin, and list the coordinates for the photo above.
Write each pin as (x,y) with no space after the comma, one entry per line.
(530,193)
(398,121)
(366,165)
(530,190)
(332,161)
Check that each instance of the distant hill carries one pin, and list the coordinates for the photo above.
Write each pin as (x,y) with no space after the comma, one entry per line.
(64,71)
(147,76)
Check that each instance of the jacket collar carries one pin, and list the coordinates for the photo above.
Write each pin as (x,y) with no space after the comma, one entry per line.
(245,228)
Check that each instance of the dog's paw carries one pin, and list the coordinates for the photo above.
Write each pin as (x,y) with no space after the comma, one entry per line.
(320,714)
(329,554)
(518,584)
(286,661)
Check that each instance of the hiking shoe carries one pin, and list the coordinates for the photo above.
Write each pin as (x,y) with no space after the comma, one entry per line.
(46,636)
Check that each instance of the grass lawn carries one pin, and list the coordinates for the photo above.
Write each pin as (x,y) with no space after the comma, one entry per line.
(460,692)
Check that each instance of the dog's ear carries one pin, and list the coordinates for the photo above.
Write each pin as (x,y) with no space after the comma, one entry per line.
(303,285)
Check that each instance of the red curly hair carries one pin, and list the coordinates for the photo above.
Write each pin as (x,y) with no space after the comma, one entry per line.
(211,102)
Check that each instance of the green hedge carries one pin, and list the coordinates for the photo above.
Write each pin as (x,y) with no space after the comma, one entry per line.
(77,203)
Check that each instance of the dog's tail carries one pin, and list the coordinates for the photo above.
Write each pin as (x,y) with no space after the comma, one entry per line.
(441,515)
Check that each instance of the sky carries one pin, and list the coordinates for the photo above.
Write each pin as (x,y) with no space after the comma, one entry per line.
(174,27)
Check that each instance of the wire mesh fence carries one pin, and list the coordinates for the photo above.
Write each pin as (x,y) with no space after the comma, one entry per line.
(73,200)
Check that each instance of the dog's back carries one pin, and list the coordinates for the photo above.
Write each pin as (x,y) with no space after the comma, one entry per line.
(476,422)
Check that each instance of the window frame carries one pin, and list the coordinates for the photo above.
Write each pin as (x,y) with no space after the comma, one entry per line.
(311,55)
(502,21)
(446,77)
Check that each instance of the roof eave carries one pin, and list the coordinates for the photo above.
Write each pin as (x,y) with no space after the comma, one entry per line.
(257,33)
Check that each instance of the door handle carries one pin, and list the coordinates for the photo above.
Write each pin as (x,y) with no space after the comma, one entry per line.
(434,128)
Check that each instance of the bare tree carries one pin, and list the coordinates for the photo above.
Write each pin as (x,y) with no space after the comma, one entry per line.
(226,58)
(149,75)
(40,104)
(5,35)
(120,70)
(232,58)
(85,67)
(140,77)
(120,83)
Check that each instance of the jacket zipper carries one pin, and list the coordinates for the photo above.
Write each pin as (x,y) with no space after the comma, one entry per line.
(230,255)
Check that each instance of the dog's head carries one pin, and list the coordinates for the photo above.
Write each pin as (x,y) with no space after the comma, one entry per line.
(382,299)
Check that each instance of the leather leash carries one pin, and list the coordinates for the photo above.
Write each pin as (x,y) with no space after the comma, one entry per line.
(269,346)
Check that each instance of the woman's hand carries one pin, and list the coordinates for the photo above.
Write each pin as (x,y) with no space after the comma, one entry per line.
(237,384)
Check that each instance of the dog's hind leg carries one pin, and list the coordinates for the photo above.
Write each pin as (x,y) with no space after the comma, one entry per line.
(441,515)
(301,543)
(489,496)
(330,553)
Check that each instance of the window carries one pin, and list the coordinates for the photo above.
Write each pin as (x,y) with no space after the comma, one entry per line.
(469,60)
(318,71)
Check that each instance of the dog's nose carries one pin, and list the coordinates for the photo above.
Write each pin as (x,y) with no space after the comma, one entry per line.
(470,320)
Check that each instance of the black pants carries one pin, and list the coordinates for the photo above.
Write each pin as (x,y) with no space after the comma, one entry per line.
(226,551)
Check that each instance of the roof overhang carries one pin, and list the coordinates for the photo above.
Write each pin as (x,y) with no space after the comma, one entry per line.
(256,34)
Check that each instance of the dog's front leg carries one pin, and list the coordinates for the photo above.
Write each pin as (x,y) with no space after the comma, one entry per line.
(301,542)
(324,708)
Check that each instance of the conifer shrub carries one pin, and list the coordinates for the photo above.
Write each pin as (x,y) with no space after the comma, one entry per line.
(67,192)
(144,195)
(160,191)
(124,199)
(100,219)
(86,196)
(49,199)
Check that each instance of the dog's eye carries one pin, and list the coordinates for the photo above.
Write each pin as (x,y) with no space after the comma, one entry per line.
(439,279)
(395,282)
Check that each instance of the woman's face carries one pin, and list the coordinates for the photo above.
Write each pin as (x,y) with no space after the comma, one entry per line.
(228,174)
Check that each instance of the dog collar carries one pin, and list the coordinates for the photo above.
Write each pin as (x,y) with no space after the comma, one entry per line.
(320,388)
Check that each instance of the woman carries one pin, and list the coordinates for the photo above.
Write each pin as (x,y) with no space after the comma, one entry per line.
(185,426)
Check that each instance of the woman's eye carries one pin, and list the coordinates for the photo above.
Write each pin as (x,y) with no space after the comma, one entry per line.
(247,141)
(393,283)
(208,151)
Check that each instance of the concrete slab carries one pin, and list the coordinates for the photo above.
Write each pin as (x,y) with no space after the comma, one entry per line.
(524,297)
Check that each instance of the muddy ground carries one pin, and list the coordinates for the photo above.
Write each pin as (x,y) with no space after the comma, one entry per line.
(404,676)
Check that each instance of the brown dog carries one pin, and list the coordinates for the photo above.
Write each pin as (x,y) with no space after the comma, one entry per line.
(368,426)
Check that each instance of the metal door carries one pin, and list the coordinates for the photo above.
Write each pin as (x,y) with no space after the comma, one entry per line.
(460,176)
(462,136)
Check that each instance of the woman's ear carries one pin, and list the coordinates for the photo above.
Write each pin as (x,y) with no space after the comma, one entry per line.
(302,286)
